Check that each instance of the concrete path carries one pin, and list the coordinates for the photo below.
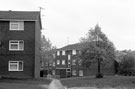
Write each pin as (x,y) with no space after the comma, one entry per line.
(56,84)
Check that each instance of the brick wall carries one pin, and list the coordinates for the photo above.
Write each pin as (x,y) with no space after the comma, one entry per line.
(27,56)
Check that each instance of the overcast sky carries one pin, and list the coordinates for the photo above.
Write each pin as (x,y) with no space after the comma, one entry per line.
(66,21)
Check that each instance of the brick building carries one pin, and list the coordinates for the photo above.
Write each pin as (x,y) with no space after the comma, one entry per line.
(20,44)
(68,64)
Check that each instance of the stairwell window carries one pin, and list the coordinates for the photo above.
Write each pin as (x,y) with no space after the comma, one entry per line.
(16,45)
(15,66)
(69,57)
(17,25)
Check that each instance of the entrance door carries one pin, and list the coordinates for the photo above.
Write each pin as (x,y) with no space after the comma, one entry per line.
(68,73)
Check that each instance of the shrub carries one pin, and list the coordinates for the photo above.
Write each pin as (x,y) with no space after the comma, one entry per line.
(126,67)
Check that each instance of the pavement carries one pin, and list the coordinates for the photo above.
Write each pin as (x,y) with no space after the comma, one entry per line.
(56,84)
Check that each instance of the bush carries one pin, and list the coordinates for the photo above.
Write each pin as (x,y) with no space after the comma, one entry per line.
(126,67)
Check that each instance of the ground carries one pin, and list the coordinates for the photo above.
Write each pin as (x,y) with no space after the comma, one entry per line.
(24,83)
(119,82)
(113,82)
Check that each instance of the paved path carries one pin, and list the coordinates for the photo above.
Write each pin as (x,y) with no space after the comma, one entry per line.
(56,84)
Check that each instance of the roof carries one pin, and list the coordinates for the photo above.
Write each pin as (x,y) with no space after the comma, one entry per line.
(19,15)
(77,46)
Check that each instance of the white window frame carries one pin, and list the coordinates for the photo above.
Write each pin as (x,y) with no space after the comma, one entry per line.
(63,62)
(73,52)
(17,63)
(63,53)
(58,62)
(17,43)
(58,53)
(17,23)
(80,72)
(73,62)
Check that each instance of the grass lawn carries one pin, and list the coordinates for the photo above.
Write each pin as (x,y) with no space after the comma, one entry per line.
(24,83)
(113,82)
(120,82)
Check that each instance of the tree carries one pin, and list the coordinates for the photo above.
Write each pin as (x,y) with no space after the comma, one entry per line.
(127,63)
(46,44)
(46,52)
(98,50)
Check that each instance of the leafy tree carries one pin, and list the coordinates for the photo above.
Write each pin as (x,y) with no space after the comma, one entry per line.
(46,51)
(126,65)
(46,44)
(99,48)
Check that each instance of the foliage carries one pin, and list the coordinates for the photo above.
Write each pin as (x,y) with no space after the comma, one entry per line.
(46,44)
(126,66)
(46,50)
(99,47)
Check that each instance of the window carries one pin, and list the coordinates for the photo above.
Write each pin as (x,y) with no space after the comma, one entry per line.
(80,72)
(69,57)
(15,66)
(53,72)
(73,62)
(68,62)
(63,62)
(54,56)
(73,52)
(58,53)
(58,62)
(69,65)
(16,45)
(63,53)
(17,25)
(80,52)
(74,72)
(50,64)
(42,64)
(53,63)
(46,64)
(79,62)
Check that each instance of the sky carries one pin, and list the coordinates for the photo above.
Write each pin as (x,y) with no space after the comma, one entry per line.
(66,21)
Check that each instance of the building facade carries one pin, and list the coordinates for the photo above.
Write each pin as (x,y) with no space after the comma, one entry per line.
(20,44)
(68,63)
